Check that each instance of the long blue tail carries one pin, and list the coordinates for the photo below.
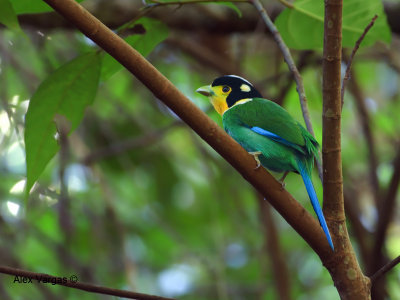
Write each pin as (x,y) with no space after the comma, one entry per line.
(314,201)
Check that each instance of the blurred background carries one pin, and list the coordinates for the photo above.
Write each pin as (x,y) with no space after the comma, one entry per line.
(147,205)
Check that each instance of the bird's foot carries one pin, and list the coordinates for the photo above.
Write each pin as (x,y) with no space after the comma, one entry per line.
(255,155)
(282,179)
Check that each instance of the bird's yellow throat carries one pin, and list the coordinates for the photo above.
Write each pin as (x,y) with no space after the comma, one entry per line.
(219,103)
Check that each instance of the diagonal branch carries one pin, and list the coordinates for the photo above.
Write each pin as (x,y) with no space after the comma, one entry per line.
(289,60)
(41,278)
(208,130)
(353,53)
(386,268)
(119,147)
(386,210)
(365,121)
(353,214)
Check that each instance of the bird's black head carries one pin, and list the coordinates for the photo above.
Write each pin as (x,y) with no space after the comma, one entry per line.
(236,88)
(228,90)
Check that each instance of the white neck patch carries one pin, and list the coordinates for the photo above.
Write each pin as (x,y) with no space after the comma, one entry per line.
(243,101)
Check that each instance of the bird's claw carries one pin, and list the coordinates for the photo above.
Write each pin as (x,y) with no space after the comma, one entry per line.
(255,155)
(282,179)
(283,184)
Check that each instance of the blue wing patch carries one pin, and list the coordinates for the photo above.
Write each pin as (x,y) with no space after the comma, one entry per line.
(276,138)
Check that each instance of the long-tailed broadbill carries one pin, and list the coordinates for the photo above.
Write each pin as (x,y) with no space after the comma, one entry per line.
(267,131)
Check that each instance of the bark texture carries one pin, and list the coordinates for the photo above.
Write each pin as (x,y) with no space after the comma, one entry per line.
(343,266)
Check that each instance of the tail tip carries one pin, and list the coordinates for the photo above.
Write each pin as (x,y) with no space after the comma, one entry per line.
(331,245)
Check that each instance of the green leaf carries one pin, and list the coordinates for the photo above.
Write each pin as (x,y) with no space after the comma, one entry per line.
(154,32)
(303,26)
(232,6)
(32,6)
(8,16)
(66,93)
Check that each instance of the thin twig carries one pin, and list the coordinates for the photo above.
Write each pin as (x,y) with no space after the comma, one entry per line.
(273,246)
(117,148)
(150,5)
(386,209)
(353,53)
(287,4)
(353,215)
(69,282)
(64,201)
(303,62)
(161,3)
(386,268)
(292,67)
(365,122)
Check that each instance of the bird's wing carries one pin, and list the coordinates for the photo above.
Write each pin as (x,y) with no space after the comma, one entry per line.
(276,138)
(271,120)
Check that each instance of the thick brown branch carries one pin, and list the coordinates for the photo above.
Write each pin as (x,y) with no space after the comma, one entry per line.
(78,285)
(164,90)
(331,138)
(344,268)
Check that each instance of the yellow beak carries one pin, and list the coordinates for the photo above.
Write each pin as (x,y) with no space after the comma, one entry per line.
(206,90)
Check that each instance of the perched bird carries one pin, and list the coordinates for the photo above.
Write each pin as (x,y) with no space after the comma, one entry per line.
(267,131)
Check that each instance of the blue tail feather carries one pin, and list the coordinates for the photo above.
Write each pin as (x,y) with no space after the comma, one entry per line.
(314,201)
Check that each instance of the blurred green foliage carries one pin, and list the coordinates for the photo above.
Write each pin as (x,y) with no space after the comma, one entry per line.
(151,207)
(302,27)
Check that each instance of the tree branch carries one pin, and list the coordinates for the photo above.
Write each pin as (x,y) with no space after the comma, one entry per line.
(303,62)
(365,121)
(353,214)
(116,13)
(119,147)
(272,245)
(353,53)
(385,213)
(331,136)
(344,268)
(78,285)
(205,55)
(386,268)
(208,130)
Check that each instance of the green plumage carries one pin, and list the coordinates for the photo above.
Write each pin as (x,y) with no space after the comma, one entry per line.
(266,114)
(262,126)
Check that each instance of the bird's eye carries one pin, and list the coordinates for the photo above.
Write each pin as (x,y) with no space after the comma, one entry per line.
(226,89)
